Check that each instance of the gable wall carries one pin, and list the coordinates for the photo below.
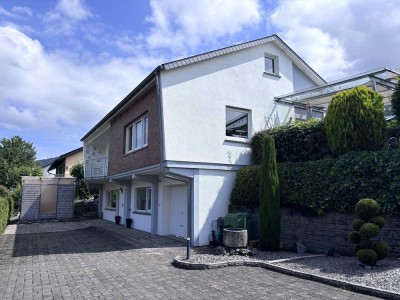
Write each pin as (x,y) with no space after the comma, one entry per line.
(195,99)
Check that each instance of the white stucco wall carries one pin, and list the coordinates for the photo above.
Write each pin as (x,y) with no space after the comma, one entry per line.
(195,98)
(212,195)
(300,80)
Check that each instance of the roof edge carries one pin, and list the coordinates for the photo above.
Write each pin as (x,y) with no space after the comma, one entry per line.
(123,102)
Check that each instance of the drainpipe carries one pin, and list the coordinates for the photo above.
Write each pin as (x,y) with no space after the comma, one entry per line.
(168,174)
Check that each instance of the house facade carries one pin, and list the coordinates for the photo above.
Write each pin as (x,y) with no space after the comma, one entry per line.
(166,156)
(61,166)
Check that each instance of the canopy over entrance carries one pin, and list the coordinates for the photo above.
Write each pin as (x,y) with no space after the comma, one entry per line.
(382,81)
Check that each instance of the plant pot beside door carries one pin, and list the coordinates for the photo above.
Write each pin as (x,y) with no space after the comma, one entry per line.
(128,223)
(117,219)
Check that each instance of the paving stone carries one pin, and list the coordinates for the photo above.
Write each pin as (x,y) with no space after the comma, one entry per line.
(107,261)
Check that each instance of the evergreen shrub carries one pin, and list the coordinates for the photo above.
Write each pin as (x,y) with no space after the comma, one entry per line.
(355,121)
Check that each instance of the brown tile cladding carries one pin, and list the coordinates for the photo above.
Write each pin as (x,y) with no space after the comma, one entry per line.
(118,162)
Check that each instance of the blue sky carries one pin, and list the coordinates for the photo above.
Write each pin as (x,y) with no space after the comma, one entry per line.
(64,64)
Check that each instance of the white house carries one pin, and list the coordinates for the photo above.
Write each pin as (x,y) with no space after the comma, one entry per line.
(166,156)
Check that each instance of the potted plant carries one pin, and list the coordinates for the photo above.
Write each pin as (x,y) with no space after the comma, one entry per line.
(128,223)
(117,219)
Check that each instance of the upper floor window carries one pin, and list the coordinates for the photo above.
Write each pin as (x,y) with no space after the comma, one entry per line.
(136,134)
(271,64)
(237,122)
(143,200)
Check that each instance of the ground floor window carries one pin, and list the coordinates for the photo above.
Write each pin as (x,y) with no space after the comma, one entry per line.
(143,200)
(112,199)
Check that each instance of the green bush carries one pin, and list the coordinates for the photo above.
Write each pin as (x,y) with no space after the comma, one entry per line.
(330,185)
(379,221)
(395,100)
(15,197)
(355,121)
(270,225)
(366,244)
(300,141)
(393,129)
(381,249)
(357,223)
(367,256)
(246,189)
(4,213)
(354,237)
(369,230)
(367,209)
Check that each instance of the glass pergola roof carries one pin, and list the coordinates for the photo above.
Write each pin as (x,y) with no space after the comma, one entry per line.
(382,81)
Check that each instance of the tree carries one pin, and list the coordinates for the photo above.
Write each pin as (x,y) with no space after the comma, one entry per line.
(270,224)
(396,101)
(17,157)
(355,121)
(82,189)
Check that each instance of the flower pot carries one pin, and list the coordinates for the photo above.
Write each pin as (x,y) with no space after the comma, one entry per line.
(117,219)
(128,223)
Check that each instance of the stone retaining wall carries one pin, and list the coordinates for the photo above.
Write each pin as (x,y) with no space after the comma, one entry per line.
(319,233)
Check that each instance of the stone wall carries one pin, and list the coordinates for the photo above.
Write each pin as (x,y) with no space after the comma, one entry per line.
(320,233)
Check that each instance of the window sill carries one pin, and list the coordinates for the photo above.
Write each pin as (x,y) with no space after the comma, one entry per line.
(272,74)
(136,150)
(141,213)
(111,209)
(237,140)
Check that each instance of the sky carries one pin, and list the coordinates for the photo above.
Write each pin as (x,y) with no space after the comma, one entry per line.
(65,64)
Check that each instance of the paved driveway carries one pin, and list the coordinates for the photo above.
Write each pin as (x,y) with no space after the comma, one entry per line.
(106,261)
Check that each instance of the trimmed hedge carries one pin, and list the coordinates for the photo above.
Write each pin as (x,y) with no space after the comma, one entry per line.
(330,185)
(300,141)
(4,213)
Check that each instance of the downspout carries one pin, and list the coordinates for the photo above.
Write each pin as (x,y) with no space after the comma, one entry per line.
(168,174)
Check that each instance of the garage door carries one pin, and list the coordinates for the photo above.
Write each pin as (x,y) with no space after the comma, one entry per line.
(178,211)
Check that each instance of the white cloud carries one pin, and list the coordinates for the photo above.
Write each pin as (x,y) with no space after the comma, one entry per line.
(64,18)
(55,91)
(23,11)
(180,24)
(342,37)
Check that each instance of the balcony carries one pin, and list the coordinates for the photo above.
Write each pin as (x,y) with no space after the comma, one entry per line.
(96,168)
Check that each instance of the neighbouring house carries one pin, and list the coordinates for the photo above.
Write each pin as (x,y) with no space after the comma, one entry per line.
(166,156)
(45,165)
(63,163)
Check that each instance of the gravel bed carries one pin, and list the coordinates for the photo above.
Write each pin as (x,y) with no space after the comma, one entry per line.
(206,255)
(385,275)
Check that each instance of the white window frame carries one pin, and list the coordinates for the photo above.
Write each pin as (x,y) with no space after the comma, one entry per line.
(249,129)
(275,64)
(131,134)
(109,199)
(148,203)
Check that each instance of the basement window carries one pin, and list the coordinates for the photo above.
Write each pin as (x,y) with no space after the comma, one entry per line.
(112,199)
(143,200)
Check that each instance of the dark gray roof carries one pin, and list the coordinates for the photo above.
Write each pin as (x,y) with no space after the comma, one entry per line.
(45,162)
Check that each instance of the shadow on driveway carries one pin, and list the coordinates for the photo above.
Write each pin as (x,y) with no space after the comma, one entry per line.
(98,237)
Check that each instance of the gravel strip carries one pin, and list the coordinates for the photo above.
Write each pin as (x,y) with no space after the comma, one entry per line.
(205,255)
(385,275)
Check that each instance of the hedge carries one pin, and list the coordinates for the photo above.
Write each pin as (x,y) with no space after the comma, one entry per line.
(4,213)
(330,185)
(301,141)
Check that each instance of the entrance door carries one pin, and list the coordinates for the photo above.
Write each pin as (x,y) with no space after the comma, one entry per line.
(48,201)
(178,211)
